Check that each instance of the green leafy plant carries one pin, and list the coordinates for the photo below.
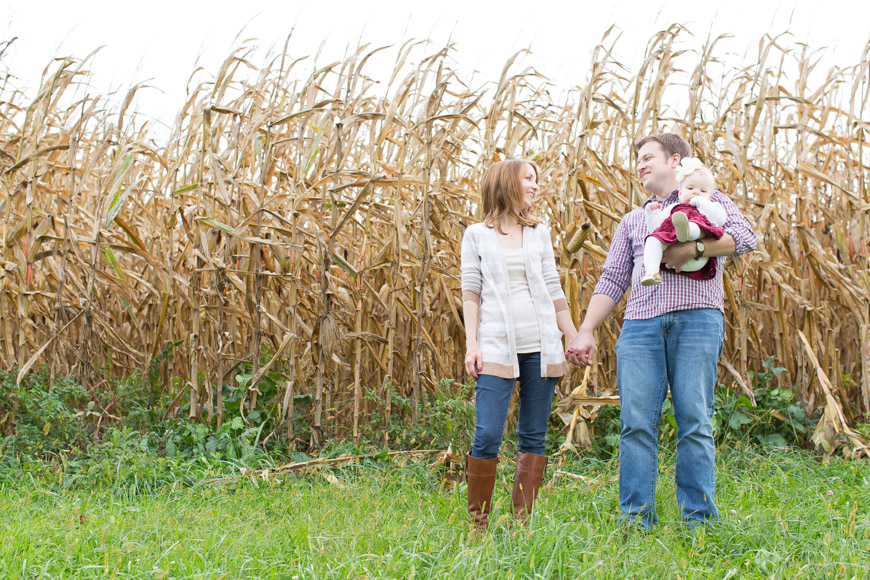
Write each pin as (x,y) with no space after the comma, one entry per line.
(448,419)
(42,419)
(776,419)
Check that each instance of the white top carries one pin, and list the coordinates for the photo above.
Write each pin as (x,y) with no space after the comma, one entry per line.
(712,210)
(526,332)
(485,280)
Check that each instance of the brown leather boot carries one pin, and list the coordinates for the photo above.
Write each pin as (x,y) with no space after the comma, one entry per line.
(480,475)
(527,482)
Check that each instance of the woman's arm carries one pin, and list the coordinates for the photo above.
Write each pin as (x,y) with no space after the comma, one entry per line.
(554,287)
(566,324)
(473,358)
(472,282)
(551,275)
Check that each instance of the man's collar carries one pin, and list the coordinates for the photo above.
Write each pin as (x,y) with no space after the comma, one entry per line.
(669,199)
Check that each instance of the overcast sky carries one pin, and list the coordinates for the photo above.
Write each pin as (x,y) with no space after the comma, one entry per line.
(163,41)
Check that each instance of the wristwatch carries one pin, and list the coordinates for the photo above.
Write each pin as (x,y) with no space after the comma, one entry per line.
(699,249)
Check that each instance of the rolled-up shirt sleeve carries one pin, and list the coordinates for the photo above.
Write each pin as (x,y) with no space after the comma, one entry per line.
(470,260)
(616,273)
(736,226)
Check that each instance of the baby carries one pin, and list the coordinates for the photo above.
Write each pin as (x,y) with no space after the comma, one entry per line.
(694,217)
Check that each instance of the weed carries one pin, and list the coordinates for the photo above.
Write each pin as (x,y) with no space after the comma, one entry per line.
(448,420)
(43,419)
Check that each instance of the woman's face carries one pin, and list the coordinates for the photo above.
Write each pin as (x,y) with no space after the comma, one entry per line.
(529,184)
(696,185)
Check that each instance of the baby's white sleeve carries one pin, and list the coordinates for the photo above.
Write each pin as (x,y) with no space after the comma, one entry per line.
(713,210)
(654,218)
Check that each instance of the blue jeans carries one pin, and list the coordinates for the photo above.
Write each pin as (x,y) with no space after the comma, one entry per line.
(681,349)
(493,395)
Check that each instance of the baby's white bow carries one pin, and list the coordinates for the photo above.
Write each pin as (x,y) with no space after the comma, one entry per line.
(687,166)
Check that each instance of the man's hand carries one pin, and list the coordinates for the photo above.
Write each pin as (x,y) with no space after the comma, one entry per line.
(677,254)
(581,350)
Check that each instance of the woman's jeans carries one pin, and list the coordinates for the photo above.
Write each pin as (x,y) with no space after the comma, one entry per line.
(493,395)
(681,349)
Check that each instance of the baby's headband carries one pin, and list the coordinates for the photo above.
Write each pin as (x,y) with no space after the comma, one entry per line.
(688,165)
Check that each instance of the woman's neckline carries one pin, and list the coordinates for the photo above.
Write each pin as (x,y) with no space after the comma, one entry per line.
(508,238)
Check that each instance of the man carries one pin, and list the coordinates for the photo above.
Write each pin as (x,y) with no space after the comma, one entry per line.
(672,336)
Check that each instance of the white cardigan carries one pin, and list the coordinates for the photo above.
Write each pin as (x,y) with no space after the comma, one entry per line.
(485,279)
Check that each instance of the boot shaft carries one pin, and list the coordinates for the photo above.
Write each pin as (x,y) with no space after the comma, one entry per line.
(527,482)
(480,476)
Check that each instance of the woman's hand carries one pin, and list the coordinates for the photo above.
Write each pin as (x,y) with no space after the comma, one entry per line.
(473,362)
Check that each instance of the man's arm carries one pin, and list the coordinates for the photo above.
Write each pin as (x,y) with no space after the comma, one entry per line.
(581,350)
(678,253)
(614,281)
(738,239)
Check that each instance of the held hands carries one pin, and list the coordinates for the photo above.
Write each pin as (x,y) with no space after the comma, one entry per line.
(654,206)
(473,362)
(582,349)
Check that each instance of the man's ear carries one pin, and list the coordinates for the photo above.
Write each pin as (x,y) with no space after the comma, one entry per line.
(675,160)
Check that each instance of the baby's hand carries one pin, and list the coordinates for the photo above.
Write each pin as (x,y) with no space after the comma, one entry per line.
(654,206)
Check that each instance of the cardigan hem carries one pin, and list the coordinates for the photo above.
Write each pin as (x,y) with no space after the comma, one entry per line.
(507,371)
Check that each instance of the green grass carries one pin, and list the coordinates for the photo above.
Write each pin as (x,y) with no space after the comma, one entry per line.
(398,521)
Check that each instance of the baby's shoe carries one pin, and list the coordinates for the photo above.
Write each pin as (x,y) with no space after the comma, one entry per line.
(681,225)
(651,279)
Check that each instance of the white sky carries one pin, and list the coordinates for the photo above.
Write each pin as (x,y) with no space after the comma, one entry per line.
(163,41)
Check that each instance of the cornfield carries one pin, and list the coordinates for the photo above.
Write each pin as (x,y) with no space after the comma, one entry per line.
(306,219)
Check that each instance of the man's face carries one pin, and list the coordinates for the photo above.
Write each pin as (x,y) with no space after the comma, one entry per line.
(657,171)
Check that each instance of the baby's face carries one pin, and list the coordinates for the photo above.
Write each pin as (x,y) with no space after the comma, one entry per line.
(696,185)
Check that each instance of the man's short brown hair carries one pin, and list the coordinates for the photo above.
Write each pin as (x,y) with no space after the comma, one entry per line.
(670,142)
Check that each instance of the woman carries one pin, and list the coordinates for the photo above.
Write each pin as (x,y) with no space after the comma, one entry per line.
(515,314)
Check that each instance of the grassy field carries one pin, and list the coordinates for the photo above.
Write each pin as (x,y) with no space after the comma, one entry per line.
(785,515)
